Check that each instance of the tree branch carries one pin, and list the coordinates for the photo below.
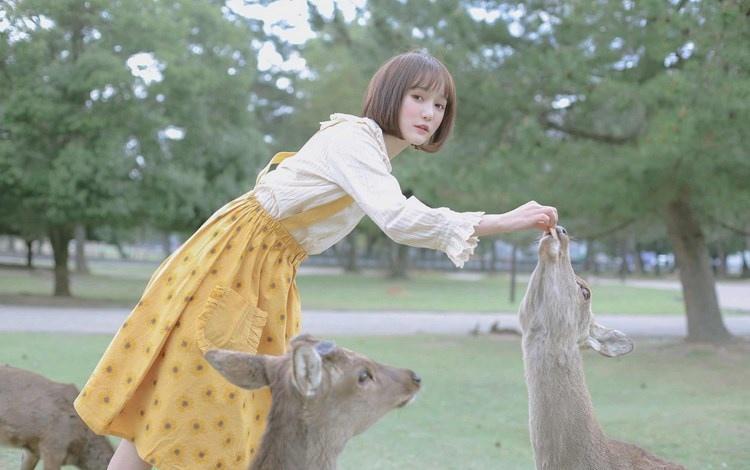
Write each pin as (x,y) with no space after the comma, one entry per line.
(731,228)
(585,134)
(607,232)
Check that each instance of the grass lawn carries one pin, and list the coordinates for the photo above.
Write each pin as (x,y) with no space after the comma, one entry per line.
(683,402)
(121,284)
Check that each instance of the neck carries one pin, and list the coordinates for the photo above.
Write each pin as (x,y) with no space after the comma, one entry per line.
(564,430)
(394,145)
(291,443)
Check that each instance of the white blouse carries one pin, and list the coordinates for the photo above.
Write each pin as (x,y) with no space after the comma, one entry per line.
(348,156)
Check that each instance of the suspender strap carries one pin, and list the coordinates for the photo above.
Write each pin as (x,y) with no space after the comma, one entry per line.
(310,216)
(274,163)
(316,214)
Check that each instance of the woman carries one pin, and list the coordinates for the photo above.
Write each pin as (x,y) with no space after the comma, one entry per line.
(232,284)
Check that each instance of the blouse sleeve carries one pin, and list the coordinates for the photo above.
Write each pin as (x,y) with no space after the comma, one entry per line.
(356,161)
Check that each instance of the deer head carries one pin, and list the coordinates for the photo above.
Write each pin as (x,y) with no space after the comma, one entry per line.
(558,302)
(337,388)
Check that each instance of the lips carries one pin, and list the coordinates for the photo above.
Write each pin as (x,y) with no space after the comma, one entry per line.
(423,128)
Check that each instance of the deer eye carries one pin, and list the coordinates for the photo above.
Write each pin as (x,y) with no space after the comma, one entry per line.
(364,376)
(586,293)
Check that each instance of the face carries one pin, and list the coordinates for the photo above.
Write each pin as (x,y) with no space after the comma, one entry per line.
(421,113)
(356,391)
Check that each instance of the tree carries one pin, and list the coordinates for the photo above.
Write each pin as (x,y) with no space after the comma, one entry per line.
(87,141)
(655,123)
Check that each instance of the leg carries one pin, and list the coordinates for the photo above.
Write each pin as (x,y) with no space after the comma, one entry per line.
(126,458)
(52,459)
(29,461)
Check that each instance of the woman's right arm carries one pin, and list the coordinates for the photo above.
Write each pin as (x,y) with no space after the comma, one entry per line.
(531,215)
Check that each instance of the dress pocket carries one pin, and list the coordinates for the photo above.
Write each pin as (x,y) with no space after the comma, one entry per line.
(229,321)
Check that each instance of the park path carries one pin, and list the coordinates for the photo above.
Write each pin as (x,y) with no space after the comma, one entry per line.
(324,323)
(732,294)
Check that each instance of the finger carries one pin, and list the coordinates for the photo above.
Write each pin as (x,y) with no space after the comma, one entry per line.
(543,222)
(552,216)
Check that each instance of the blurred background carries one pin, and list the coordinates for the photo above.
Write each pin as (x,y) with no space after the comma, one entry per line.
(125,123)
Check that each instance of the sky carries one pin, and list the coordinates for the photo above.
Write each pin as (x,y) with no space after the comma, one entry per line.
(294,13)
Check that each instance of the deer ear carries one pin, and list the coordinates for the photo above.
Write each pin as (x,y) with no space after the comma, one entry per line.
(308,369)
(608,342)
(242,369)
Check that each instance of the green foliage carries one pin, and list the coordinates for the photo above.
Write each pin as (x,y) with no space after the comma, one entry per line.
(85,136)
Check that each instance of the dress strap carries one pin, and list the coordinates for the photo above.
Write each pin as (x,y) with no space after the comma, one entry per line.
(273,164)
(316,214)
(310,216)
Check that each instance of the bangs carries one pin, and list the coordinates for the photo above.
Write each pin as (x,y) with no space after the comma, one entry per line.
(434,79)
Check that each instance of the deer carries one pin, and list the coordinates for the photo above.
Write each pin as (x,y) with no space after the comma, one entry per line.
(37,415)
(322,396)
(556,323)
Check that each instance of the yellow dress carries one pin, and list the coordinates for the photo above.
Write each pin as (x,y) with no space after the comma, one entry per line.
(230,285)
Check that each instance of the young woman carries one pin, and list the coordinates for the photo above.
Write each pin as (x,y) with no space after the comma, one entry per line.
(232,284)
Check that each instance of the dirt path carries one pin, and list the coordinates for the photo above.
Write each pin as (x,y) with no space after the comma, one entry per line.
(322,323)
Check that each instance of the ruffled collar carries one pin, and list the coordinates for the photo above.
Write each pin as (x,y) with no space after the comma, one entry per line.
(341,117)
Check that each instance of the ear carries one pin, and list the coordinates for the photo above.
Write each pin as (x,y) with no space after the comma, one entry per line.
(242,369)
(608,342)
(307,369)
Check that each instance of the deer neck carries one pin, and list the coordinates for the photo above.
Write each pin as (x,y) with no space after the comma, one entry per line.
(564,430)
(292,442)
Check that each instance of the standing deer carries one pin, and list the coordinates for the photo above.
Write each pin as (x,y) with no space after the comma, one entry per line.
(37,415)
(322,396)
(556,322)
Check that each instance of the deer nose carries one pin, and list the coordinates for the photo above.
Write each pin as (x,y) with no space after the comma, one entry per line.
(561,230)
(415,378)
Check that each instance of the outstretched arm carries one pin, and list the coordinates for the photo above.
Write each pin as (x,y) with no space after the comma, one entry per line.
(531,215)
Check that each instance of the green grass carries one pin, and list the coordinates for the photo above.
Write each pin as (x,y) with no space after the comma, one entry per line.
(683,402)
(121,284)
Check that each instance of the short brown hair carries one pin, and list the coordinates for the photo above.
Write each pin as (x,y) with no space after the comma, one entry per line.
(387,88)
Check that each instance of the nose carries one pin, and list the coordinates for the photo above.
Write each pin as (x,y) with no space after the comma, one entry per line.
(427,113)
(561,230)
(415,378)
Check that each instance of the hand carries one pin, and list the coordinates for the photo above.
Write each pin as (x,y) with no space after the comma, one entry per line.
(532,215)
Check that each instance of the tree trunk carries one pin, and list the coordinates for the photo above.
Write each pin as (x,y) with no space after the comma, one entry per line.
(513,270)
(166,245)
(399,261)
(479,252)
(81,264)
(589,263)
(493,257)
(29,254)
(721,260)
(624,269)
(704,321)
(350,256)
(640,267)
(60,237)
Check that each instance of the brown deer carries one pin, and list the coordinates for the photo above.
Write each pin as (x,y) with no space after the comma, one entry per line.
(556,322)
(322,395)
(37,415)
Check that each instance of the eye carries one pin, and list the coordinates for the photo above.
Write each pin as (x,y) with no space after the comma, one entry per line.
(440,106)
(364,376)
(417,97)
(585,292)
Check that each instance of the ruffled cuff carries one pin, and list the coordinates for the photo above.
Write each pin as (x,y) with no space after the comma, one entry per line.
(460,241)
